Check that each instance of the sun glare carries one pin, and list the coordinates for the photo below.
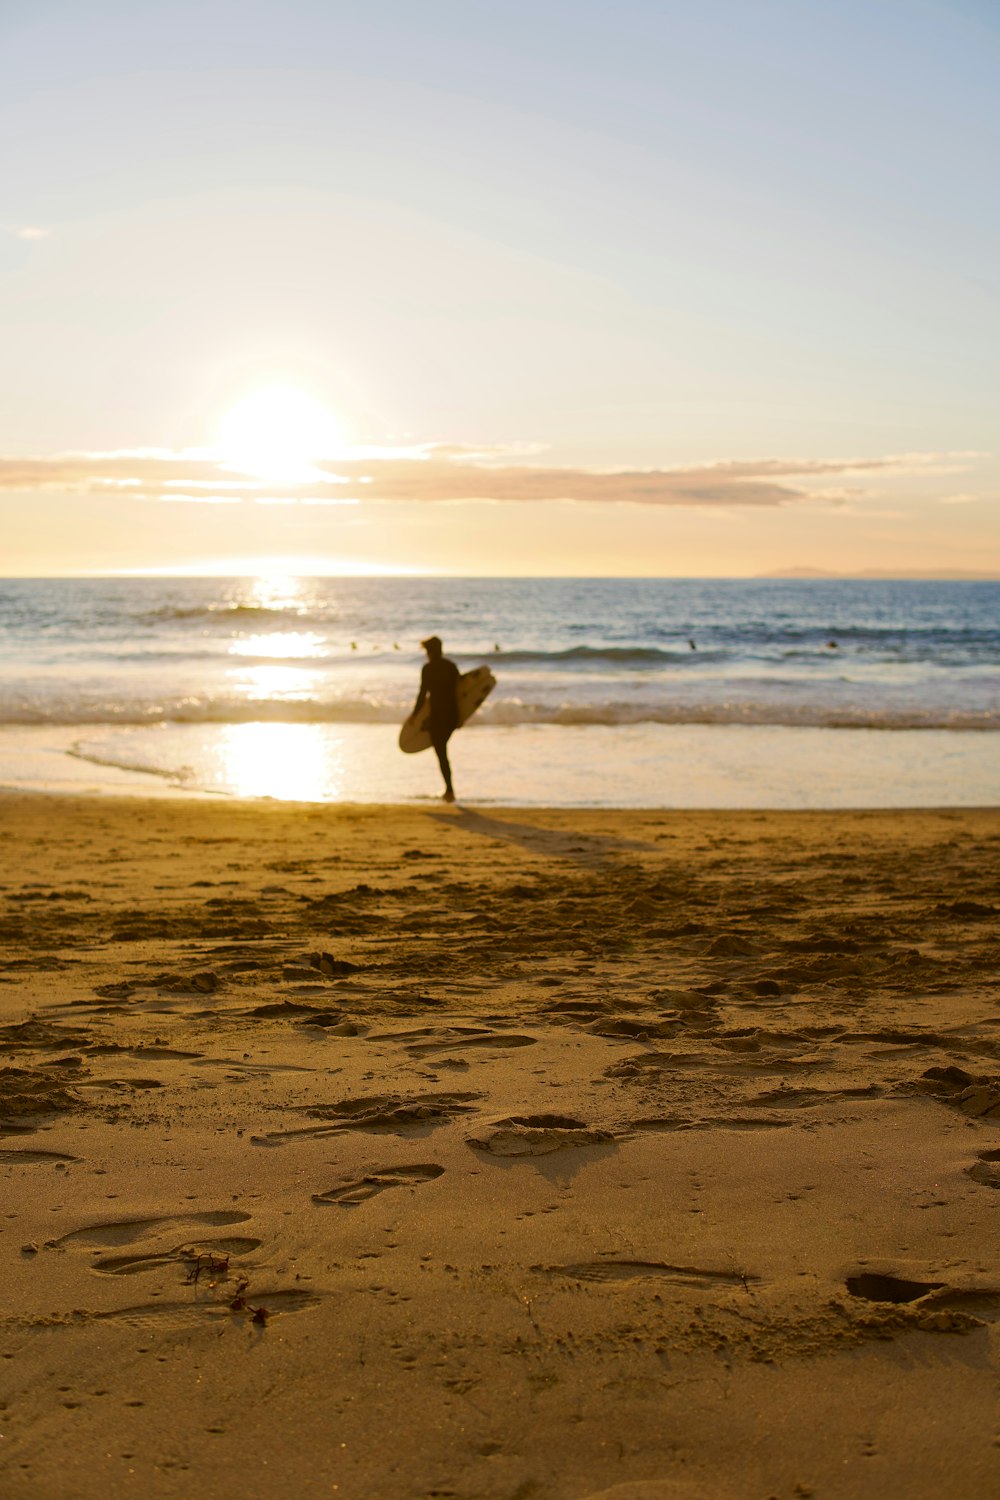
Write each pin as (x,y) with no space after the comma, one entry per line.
(274,590)
(293,644)
(278,434)
(286,761)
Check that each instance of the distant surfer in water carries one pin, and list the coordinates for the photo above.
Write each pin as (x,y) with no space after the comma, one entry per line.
(439,682)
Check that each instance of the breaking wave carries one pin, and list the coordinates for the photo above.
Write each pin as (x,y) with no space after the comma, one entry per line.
(220,612)
(508,713)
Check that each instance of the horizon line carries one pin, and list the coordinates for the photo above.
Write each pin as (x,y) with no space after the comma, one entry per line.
(786,575)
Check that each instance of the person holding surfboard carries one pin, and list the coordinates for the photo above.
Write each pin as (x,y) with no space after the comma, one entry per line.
(447,700)
(439,682)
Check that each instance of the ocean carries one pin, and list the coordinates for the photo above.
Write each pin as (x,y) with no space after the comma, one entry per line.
(655,693)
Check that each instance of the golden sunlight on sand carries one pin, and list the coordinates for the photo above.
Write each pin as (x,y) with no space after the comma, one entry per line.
(386,1152)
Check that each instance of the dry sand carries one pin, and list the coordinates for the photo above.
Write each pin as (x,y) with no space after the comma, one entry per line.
(635,1155)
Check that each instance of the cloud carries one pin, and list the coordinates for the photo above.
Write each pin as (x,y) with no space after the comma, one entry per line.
(436,474)
(31,232)
(178,498)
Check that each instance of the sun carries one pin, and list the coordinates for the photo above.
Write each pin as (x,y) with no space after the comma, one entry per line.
(278,433)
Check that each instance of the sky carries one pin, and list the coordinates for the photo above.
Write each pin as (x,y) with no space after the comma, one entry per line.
(557,287)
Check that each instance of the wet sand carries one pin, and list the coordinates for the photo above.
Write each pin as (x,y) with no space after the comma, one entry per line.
(400,1152)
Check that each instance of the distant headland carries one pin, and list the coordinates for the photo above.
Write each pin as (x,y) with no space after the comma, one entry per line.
(944,575)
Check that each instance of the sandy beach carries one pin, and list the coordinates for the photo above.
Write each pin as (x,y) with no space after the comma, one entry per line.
(391,1153)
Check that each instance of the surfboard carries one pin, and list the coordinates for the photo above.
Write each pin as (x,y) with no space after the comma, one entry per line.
(473,689)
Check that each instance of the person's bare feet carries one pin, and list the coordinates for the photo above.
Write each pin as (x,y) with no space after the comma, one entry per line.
(448,796)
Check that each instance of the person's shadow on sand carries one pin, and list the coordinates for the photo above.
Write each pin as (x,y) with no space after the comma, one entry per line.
(583,848)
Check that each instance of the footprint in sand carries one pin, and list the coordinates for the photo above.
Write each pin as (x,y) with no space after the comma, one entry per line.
(683,1000)
(325,1023)
(363,1188)
(182,1315)
(39,1090)
(15,1158)
(574,1009)
(629,1026)
(174,1052)
(42,1036)
(807,1098)
(645,1065)
(872,1286)
(975,1094)
(301,1014)
(452,1039)
(986,1170)
(120,1084)
(897,1037)
(205,982)
(127,1231)
(682,1122)
(425,1039)
(537,1135)
(743,1060)
(683,1488)
(130,1265)
(645,1270)
(380,1112)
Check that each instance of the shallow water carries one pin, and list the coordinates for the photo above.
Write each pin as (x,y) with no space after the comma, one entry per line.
(642,765)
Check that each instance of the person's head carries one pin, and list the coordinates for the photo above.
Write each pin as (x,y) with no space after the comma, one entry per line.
(432,646)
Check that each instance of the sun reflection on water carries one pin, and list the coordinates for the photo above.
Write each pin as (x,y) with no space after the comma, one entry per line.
(275,591)
(275,682)
(290,643)
(289,762)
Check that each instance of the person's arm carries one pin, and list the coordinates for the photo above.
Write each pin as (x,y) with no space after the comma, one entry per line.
(421,695)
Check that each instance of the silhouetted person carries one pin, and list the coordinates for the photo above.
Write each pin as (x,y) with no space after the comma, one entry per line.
(439,682)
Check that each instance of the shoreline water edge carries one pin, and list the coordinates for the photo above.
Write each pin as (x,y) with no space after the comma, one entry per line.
(641,766)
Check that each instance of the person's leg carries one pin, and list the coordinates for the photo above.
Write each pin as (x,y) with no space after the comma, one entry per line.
(439,739)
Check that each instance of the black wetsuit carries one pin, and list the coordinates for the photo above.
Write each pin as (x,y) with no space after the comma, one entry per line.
(439,682)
